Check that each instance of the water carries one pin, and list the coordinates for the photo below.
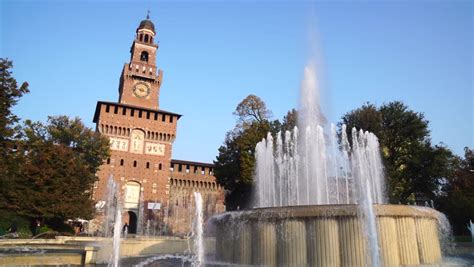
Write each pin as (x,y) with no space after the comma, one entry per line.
(196,260)
(165,258)
(470,227)
(446,238)
(113,220)
(312,165)
(198,230)
(110,206)
(116,236)
(141,216)
(147,228)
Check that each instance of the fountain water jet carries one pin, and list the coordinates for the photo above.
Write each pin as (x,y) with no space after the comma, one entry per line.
(198,258)
(113,218)
(116,236)
(198,230)
(110,206)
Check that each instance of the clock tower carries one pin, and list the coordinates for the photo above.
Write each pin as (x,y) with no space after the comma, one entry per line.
(140,80)
(152,186)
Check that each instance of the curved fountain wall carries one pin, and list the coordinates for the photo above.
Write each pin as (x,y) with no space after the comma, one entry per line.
(327,235)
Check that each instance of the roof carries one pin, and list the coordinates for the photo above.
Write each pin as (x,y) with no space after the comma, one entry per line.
(193,163)
(146,24)
(99,103)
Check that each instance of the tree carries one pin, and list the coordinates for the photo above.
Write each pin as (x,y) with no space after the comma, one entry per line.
(456,198)
(59,163)
(367,117)
(10,94)
(252,109)
(90,145)
(412,164)
(234,166)
(290,120)
(46,170)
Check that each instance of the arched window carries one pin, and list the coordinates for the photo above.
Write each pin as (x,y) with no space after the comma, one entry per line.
(121,162)
(144,56)
(134,163)
(141,37)
(146,38)
(148,165)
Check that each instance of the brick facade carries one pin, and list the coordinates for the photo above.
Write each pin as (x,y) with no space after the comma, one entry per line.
(141,137)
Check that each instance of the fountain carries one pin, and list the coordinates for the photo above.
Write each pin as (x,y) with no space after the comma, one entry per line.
(110,206)
(195,260)
(321,202)
(141,228)
(116,237)
(113,218)
(470,227)
(198,231)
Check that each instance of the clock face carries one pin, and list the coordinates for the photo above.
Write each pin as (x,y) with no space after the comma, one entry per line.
(141,89)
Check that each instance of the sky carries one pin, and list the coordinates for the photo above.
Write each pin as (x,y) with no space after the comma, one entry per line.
(215,53)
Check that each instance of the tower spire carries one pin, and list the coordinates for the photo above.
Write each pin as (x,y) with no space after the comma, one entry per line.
(148,14)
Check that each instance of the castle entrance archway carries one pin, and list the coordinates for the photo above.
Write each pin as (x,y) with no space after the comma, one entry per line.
(131,205)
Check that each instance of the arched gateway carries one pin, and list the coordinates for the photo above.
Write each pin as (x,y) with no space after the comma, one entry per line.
(131,205)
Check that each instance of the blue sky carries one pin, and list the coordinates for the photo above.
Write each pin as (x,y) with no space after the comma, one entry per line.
(215,53)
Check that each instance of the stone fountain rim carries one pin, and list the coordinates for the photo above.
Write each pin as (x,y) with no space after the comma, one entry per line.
(327,212)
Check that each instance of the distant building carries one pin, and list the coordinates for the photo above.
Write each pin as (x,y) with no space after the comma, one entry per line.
(157,191)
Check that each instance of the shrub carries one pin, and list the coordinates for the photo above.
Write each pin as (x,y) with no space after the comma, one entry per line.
(22,223)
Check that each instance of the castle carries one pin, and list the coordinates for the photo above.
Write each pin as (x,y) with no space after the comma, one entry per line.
(156,190)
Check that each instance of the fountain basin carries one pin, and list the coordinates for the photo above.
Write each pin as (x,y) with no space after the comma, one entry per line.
(77,250)
(327,235)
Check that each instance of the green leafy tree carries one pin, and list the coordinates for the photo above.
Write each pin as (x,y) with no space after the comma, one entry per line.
(367,117)
(90,145)
(10,93)
(234,166)
(412,164)
(59,163)
(46,170)
(456,198)
(290,120)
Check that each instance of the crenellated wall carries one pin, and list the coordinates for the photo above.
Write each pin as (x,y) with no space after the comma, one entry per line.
(185,179)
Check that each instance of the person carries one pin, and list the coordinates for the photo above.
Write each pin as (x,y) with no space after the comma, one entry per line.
(77,228)
(35,227)
(125,229)
(12,230)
